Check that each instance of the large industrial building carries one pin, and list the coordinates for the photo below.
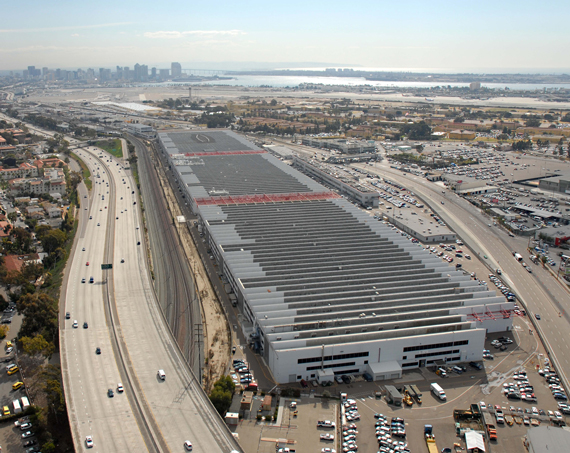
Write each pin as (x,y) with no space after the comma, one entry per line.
(320,284)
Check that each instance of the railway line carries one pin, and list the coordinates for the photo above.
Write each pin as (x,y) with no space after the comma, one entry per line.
(174,282)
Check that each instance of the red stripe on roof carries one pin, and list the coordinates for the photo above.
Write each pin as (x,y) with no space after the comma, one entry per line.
(266,198)
(225,153)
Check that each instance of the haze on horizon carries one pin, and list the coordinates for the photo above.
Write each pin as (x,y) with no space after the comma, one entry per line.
(440,35)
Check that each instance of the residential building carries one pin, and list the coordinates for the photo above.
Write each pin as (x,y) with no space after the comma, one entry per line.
(24,170)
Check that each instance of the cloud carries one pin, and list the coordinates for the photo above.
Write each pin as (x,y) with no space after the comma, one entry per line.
(71,27)
(199,33)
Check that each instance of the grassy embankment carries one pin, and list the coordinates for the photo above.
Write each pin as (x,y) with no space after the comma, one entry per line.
(113,147)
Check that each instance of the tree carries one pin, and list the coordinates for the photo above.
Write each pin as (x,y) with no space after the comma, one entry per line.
(221,400)
(221,396)
(12,216)
(22,239)
(53,240)
(37,345)
(40,315)
(273,102)
(532,122)
(51,375)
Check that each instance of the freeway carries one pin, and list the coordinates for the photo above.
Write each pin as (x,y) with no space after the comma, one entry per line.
(540,293)
(88,376)
(126,323)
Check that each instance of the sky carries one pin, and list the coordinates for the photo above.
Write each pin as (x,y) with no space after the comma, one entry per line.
(454,36)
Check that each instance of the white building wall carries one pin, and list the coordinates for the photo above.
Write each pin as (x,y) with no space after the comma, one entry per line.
(285,366)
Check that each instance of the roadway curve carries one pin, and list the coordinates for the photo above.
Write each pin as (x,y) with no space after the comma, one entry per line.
(124,320)
(539,292)
(174,282)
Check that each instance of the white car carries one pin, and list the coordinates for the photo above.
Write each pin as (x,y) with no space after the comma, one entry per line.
(89,442)
(328,450)
(188,445)
(120,388)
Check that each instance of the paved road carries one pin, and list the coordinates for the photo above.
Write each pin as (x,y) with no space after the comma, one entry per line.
(539,292)
(124,319)
(87,376)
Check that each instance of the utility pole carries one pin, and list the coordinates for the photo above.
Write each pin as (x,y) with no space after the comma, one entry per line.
(199,334)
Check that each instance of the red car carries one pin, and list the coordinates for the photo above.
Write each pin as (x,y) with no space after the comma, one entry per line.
(87,263)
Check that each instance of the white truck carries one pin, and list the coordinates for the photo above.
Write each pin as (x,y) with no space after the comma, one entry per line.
(438,391)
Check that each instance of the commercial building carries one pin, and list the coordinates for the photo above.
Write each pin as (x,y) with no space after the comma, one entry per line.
(461,135)
(558,183)
(360,193)
(344,146)
(176,70)
(319,283)
(141,130)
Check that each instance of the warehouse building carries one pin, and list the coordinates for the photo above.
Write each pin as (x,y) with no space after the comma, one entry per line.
(319,283)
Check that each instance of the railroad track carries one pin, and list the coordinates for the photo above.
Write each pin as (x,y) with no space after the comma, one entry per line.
(175,287)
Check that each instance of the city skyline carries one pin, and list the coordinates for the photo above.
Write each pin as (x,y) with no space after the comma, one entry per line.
(506,36)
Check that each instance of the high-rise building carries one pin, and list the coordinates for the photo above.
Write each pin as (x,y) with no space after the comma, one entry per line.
(176,70)
(164,74)
(153,73)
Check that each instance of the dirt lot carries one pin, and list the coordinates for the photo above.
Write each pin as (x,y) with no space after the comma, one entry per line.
(215,328)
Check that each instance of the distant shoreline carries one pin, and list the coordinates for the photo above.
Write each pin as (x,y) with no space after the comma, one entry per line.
(392,76)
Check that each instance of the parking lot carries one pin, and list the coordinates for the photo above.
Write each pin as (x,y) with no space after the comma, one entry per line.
(521,353)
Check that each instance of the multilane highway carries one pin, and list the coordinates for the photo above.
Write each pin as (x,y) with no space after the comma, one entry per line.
(126,323)
(540,293)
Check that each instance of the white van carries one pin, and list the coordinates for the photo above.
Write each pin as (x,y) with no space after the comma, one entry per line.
(161,374)
(17,408)
(25,403)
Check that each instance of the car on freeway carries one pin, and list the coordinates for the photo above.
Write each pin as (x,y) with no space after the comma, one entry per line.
(110,393)
(85,325)
(120,388)
(537,316)
(75,324)
(98,224)
(67,315)
(83,280)
(89,441)
(187,445)
(98,351)
(83,249)
(122,260)
(87,263)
